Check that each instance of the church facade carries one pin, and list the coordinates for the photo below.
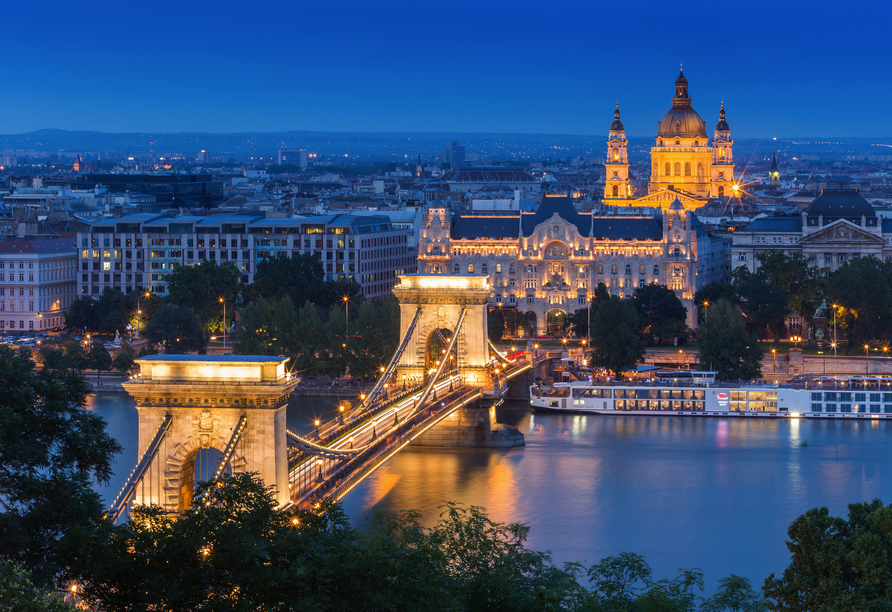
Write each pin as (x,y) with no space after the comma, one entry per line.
(685,165)
(547,264)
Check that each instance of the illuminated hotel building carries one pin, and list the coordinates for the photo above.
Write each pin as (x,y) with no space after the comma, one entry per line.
(547,264)
(685,166)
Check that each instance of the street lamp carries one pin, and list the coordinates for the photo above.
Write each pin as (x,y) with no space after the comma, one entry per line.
(774,357)
(222,301)
(867,354)
(825,360)
(346,316)
(139,312)
(834,329)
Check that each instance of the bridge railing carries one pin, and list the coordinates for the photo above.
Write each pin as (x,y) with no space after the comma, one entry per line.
(350,473)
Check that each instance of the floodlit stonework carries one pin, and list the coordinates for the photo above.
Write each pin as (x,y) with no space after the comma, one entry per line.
(207,396)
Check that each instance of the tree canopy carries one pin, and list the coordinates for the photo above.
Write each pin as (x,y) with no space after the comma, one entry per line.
(177,329)
(201,288)
(51,450)
(615,342)
(726,346)
(662,313)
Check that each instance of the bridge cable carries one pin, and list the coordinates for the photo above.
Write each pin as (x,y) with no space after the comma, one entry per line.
(129,490)
(396,357)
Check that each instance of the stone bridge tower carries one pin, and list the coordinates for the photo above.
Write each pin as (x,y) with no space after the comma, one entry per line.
(232,403)
(441,298)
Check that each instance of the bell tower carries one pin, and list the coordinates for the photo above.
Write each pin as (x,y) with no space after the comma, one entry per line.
(616,183)
(723,158)
(774,173)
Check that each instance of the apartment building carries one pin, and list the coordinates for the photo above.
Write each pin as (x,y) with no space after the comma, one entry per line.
(37,283)
(138,251)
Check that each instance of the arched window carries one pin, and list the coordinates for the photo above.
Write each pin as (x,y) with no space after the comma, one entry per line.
(456,270)
(613,269)
(470,268)
(677,169)
(641,269)
(721,192)
(687,168)
(700,170)
(628,269)
(615,153)
(696,143)
(600,268)
(498,268)
(615,191)
(656,270)
(678,142)
(628,282)
(613,283)
(668,169)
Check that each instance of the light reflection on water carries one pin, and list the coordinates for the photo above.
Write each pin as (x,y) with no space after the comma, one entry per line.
(685,492)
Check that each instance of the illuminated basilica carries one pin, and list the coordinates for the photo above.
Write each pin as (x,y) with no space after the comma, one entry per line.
(545,265)
(684,165)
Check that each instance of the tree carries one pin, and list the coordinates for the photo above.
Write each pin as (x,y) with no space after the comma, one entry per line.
(177,329)
(112,313)
(300,277)
(18,592)
(710,294)
(124,360)
(81,314)
(862,290)
(764,305)
(725,345)
(99,359)
(52,451)
(615,342)
(200,288)
(795,275)
(836,564)
(735,594)
(662,313)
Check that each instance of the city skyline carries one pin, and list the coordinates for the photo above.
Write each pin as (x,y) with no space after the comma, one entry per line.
(399,67)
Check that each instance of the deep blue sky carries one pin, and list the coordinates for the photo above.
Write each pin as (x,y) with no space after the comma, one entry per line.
(784,69)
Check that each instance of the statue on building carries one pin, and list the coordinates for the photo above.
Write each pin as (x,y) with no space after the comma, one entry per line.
(821,312)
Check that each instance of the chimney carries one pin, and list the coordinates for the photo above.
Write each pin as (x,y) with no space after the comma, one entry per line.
(119,211)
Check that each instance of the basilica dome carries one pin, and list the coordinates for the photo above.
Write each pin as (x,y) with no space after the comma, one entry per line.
(682,121)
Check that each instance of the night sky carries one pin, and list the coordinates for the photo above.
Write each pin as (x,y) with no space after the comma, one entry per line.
(784,69)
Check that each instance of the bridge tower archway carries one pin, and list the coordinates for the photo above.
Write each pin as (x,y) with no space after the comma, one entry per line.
(441,299)
(211,408)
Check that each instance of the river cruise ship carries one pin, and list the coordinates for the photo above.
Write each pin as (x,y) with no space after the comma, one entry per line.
(699,394)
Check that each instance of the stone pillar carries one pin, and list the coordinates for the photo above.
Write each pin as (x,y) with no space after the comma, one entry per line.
(472,425)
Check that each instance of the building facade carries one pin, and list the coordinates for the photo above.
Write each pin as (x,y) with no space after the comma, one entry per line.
(37,283)
(685,166)
(838,226)
(547,264)
(137,252)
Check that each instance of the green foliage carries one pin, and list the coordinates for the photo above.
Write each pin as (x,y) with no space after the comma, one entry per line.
(615,342)
(735,594)
(662,313)
(321,347)
(124,360)
(51,450)
(836,565)
(764,305)
(725,345)
(81,314)
(200,289)
(18,592)
(177,329)
(795,276)
(862,290)
(301,278)
(99,359)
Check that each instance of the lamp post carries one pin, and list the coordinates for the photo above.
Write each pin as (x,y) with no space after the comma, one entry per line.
(222,301)
(834,330)
(867,355)
(139,312)
(346,317)
(825,360)
(774,357)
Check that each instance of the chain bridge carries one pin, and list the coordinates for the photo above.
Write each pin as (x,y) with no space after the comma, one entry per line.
(201,416)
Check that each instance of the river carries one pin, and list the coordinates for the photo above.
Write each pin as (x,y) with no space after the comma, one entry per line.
(713,493)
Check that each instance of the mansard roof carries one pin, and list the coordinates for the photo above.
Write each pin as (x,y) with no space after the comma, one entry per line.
(469,227)
(564,208)
(783,224)
(614,227)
